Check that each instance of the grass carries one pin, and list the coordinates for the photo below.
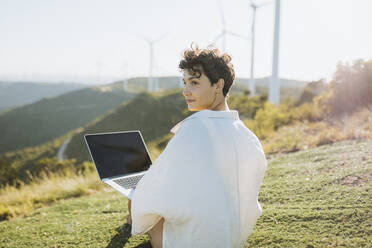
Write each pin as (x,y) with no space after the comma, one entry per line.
(51,187)
(317,198)
(47,189)
(89,221)
(313,198)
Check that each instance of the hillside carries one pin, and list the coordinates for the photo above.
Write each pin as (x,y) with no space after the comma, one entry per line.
(162,110)
(54,116)
(48,118)
(153,115)
(20,93)
(313,198)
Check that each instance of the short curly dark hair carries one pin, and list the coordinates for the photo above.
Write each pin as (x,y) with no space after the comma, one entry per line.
(214,64)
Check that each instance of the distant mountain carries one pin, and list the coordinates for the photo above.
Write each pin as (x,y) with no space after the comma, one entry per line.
(289,88)
(48,118)
(16,94)
(21,93)
(265,81)
(62,78)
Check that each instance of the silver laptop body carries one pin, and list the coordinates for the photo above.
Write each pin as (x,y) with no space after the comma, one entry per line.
(120,158)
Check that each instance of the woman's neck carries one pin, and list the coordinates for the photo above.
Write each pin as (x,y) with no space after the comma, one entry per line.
(222,106)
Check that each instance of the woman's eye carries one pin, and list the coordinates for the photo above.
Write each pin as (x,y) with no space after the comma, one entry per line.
(194,83)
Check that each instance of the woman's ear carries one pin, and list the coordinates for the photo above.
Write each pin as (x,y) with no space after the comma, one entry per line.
(220,83)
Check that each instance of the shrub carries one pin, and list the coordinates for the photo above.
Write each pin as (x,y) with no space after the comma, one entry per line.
(5,213)
(358,126)
(85,167)
(307,111)
(350,89)
(311,90)
(247,106)
(268,119)
(328,136)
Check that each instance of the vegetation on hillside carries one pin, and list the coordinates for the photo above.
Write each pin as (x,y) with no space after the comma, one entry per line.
(153,115)
(49,118)
(22,166)
(324,114)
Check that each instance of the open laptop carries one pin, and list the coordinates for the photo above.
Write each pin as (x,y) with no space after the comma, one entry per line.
(120,158)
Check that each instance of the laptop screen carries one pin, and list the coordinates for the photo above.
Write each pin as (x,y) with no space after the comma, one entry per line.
(117,154)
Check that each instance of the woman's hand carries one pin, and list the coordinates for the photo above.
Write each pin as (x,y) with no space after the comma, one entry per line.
(129,217)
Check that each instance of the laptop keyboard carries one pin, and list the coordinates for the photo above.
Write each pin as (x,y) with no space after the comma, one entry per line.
(128,182)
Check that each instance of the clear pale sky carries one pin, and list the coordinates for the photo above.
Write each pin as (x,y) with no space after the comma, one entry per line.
(57,37)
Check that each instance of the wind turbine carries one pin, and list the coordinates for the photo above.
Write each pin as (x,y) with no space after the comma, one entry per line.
(126,75)
(252,85)
(99,65)
(224,31)
(150,86)
(274,90)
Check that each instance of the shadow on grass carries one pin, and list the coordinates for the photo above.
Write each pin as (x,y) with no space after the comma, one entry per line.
(144,245)
(122,237)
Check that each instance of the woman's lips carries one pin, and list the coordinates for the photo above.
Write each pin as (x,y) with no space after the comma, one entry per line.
(190,101)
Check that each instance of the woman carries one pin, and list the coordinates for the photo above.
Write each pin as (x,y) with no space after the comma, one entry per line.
(202,191)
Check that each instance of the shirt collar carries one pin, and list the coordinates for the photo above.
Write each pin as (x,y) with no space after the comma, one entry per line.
(206,113)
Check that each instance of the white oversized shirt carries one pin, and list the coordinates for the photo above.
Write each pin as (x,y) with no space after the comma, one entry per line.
(205,184)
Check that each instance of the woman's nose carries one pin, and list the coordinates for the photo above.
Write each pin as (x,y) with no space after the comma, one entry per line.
(186,91)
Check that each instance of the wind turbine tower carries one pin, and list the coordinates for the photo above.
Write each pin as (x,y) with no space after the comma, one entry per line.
(274,90)
(126,76)
(150,84)
(252,84)
(150,81)
(99,70)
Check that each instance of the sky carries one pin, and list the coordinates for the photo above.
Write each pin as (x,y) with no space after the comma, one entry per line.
(103,38)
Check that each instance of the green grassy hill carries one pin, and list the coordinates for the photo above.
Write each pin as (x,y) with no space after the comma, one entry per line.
(314,198)
(153,115)
(49,118)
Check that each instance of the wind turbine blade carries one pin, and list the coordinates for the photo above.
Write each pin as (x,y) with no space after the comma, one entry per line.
(237,35)
(160,38)
(141,36)
(264,4)
(218,37)
(253,5)
(222,15)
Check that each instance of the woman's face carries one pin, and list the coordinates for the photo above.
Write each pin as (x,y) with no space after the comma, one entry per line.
(198,91)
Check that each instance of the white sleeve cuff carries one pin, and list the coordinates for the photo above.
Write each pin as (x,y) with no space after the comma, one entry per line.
(130,195)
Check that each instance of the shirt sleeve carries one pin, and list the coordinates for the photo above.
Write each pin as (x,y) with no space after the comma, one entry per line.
(167,188)
(130,195)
